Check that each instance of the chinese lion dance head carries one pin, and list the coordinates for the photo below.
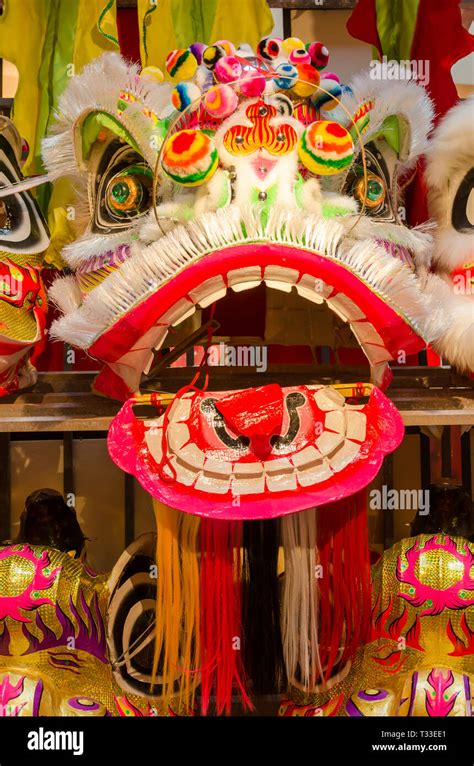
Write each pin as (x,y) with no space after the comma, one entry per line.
(450,182)
(249,169)
(23,239)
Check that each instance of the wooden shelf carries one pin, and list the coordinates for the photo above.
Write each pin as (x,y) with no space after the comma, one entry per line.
(64,401)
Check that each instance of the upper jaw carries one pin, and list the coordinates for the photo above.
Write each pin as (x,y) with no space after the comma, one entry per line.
(127,316)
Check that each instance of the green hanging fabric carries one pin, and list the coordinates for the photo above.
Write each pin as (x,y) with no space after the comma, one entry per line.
(396,24)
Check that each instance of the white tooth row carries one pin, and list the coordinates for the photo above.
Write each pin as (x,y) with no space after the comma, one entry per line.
(283,279)
(337,446)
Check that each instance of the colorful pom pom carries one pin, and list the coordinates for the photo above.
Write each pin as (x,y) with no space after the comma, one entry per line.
(326,148)
(270,87)
(228,69)
(181,64)
(290,43)
(220,101)
(319,54)
(197,49)
(332,76)
(322,100)
(252,84)
(299,56)
(307,82)
(153,72)
(204,78)
(184,95)
(189,157)
(269,48)
(287,76)
(25,150)
(212,54)
(229,47)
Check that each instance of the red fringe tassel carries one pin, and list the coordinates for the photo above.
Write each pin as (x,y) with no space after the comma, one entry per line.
(345,595)
(221,655)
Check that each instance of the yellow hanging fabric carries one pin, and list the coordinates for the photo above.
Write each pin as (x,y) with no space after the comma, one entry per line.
(168,24)
(50,41)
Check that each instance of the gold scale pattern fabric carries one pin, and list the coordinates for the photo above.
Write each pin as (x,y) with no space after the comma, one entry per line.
(419,656)
(53,652)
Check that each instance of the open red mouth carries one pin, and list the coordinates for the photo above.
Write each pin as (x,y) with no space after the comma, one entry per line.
(381,328)
(259,453)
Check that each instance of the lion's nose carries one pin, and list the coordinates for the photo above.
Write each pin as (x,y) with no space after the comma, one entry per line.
(256,413)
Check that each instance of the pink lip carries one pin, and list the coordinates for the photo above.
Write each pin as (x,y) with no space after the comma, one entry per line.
(262,166)
(127,448)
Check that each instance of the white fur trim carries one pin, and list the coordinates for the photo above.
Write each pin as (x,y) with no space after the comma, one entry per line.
(452,145)
(419,239)
(453,249)
(94,244)
(65,294)
(148,268)
(393,97)
(449,157)
(456,344)
(98,87)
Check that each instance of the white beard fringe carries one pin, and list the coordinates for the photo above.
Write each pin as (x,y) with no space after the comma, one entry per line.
(148,268)
(299,614)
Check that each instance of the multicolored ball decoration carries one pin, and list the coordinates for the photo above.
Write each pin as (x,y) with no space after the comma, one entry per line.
(326,148)
(153,72)
(220,101)
(212,54)
(228,69)
(229,47)
(299,56)
(203,78)
(189,157)
(332,76)
(319,54)
(269,48)
(197,49)
(307,82)
(270,87)
(252,85)
(181,64)
(186,94)
(322,100)
(25,150)
(290,43)
(287,75)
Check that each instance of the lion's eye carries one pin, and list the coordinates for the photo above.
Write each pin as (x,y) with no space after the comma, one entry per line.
(123,187)
(374,195)
(127,194)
